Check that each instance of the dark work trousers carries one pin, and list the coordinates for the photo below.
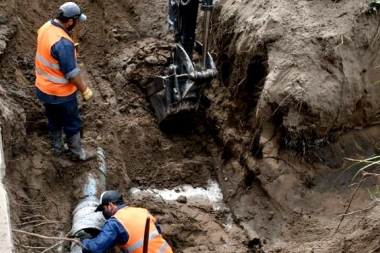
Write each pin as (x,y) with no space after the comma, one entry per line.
(64,116)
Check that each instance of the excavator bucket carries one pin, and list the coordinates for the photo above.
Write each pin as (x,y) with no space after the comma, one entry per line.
(179,92)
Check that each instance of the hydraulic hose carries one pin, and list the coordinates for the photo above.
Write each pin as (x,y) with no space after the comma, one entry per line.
(183,3)
(207,7)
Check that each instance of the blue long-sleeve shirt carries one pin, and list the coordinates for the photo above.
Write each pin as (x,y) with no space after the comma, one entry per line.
(112,233)
(64,52)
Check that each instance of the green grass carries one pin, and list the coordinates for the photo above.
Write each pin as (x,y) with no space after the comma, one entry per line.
(374,6)
(374,192)
(365,164)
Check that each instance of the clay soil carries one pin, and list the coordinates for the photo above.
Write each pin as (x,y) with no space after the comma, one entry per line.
(294,100)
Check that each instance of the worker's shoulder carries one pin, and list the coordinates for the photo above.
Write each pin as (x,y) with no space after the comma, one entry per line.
(63,47)
(113,221)
(63,41)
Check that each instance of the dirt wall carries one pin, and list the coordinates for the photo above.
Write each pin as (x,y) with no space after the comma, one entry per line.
(307,67)
(294,101)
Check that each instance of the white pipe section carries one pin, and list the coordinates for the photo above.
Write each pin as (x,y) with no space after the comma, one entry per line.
(84,216)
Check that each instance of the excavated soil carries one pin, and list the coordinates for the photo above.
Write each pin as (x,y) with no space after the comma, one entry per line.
(294,102)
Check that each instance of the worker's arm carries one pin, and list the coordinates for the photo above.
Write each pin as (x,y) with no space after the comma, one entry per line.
(112,233)
(78,82)
(64,52)
(157,224)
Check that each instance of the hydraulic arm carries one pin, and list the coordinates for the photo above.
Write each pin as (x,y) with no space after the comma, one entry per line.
(180,90)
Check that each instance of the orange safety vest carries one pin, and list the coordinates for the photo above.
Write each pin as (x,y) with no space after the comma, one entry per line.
(133,220)
(49,77)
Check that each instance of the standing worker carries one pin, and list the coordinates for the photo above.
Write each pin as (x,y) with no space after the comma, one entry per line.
(58,80)
(125,227)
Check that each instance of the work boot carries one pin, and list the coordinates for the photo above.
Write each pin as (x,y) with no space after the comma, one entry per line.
(77,151)
(58,146)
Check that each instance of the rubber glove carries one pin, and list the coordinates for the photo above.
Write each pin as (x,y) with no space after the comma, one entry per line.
(81,235)
(87,94)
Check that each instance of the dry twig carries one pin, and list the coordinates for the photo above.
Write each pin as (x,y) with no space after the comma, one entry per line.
(374,250)
(33,216)
(42,223)
(48,237)
(52,247)
(31,247)
(341,43)
(364,177)
(358,211)
(159,195)
(37,222)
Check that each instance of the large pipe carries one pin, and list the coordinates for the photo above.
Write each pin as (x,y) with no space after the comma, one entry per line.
(91,185)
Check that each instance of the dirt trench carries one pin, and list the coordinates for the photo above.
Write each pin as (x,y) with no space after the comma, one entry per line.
(293,100)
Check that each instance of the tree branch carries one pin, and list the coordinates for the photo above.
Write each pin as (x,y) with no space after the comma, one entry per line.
(49,238)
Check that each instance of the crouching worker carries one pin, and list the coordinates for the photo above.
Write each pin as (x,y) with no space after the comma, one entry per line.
(125,227)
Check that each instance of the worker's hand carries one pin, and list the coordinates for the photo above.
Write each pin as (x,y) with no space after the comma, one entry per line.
(87,94)
(81,235)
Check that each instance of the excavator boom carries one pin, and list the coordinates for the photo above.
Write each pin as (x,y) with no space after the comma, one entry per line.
(179,92)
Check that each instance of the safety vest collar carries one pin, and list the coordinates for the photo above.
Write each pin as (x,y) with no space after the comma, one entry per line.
(53,22)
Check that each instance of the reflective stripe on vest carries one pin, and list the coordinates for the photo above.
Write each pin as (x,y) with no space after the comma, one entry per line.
(53,79)
(141,242)
(49,78)
(163,248)
(46,63)
(133,220)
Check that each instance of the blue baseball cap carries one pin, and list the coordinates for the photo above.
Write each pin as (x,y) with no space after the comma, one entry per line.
(71,10)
